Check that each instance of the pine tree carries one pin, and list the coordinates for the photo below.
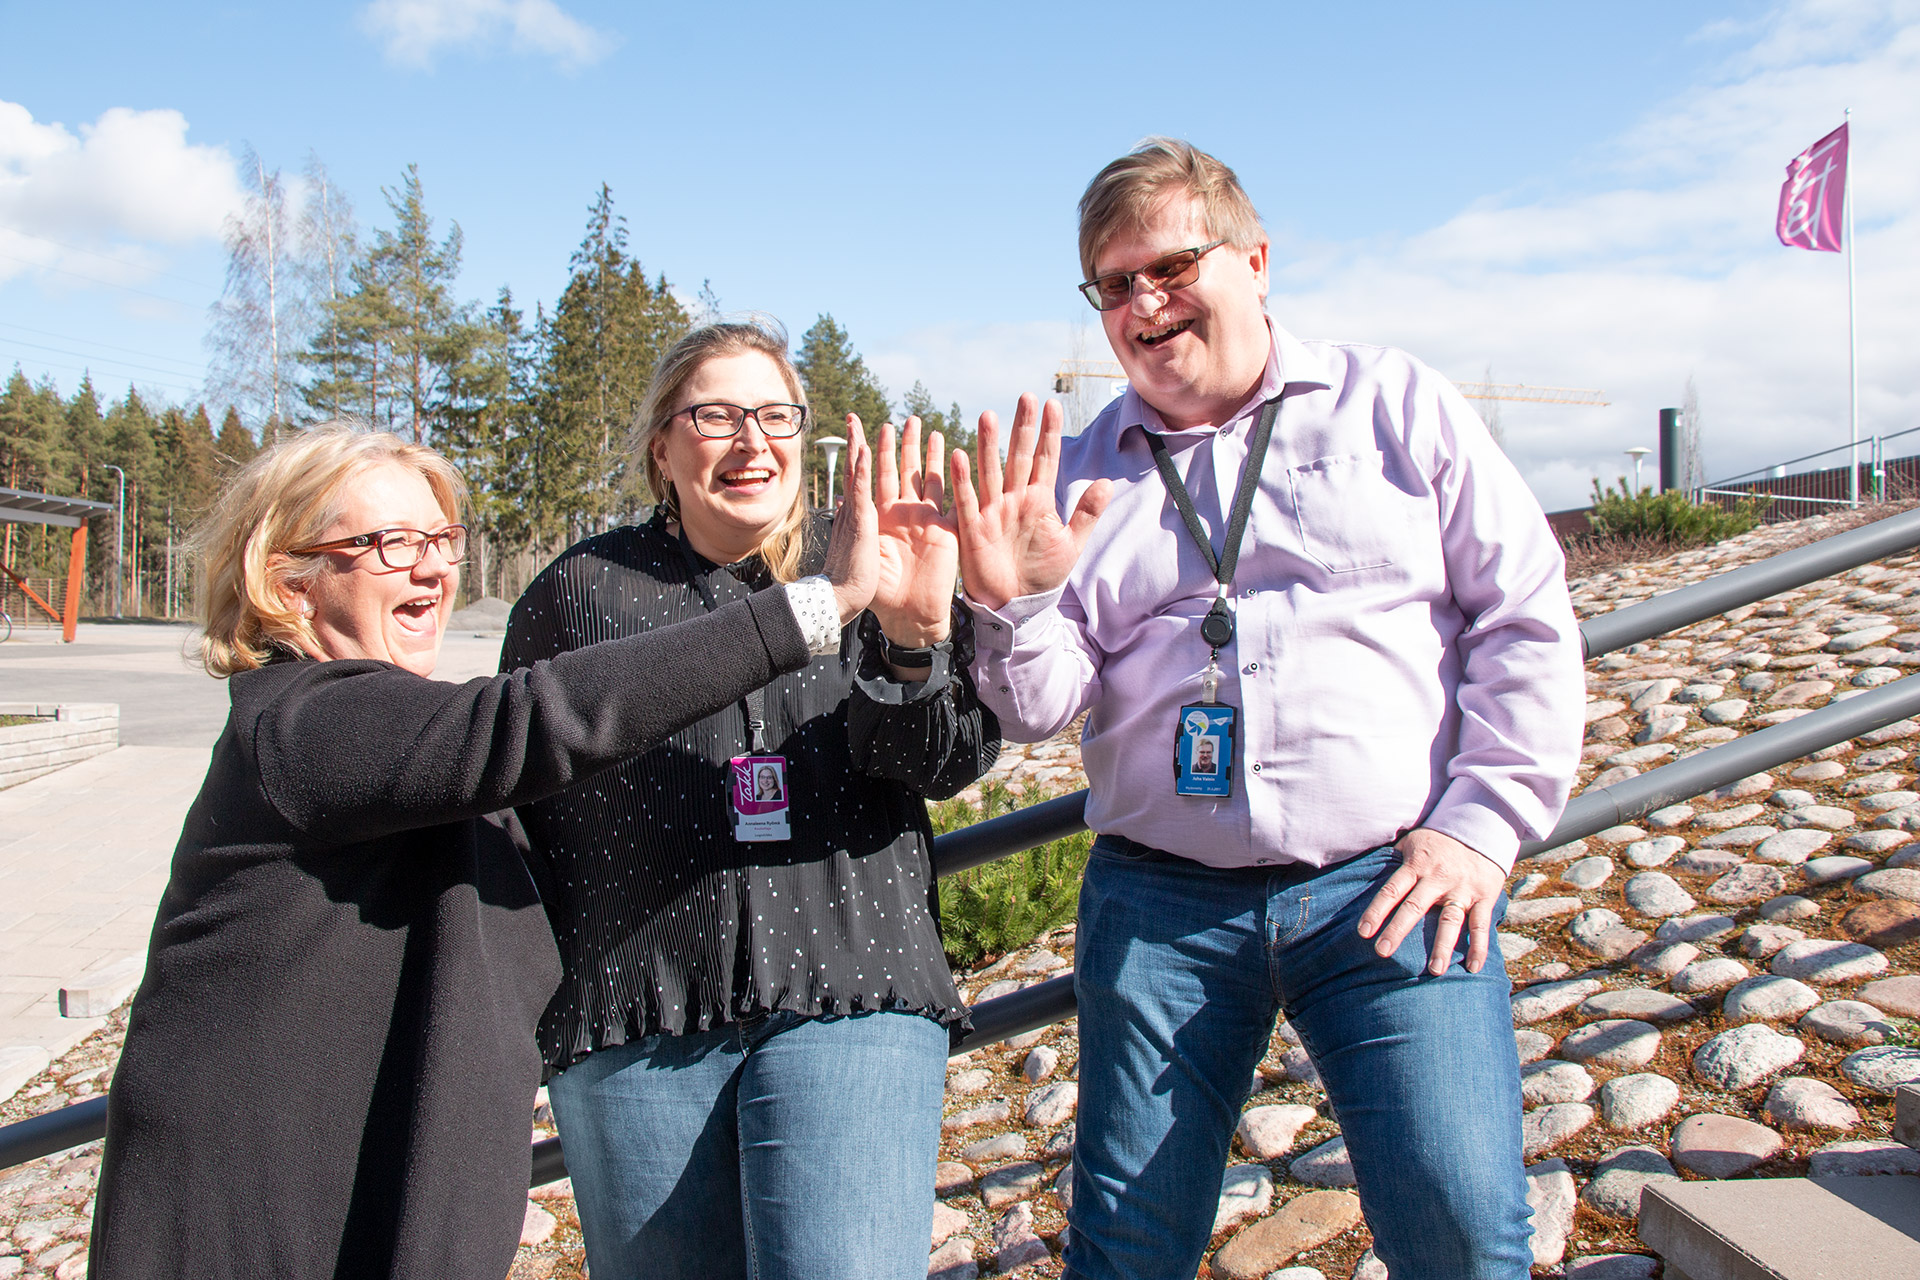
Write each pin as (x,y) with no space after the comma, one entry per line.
(607,332)
(235,445)
(428,326)
(32,453)
(486,432)
(951,425)
(838,383)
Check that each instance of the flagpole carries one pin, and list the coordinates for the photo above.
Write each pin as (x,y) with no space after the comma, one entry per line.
(1853,342)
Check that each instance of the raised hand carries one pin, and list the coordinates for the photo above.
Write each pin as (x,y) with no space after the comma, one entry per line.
(1012,542)
(919,545)
(853,553)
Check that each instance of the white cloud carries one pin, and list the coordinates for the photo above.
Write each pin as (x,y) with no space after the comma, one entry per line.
(414,31)
(96,203)
(984,367)
(1664,266)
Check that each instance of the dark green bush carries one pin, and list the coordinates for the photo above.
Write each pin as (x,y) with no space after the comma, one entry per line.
(993,909)
(1669,517)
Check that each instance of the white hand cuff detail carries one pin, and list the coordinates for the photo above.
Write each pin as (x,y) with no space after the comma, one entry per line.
(817,612)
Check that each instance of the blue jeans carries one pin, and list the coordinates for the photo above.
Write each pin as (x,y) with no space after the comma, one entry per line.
(789,1148)
(1180,969)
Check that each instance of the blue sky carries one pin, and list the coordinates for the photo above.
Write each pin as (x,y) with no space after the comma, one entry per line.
(1580,195)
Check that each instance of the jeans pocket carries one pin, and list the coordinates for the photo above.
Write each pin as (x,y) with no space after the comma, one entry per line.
(1121,849)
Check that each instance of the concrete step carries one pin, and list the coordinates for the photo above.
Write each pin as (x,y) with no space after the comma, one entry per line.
(1785,1228)
(1857,1228)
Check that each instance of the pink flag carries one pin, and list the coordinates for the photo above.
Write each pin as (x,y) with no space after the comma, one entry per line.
(1814,195)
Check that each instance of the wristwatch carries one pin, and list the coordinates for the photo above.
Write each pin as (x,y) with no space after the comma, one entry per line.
(906,659)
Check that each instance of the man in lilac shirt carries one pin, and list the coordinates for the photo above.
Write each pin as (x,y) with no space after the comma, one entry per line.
(1391,681)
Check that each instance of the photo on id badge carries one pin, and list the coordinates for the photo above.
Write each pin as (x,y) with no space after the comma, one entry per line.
(1203,750)
(758,791)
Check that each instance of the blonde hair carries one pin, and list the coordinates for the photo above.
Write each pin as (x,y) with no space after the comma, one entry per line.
(782,549)
(288,496)
(1124,194)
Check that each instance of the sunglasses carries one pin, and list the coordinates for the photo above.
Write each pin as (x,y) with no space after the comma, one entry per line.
(1175,271)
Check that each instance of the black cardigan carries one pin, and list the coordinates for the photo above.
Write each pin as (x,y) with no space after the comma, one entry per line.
(330,1066)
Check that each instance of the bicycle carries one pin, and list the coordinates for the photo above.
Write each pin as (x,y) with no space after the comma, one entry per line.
(6,626)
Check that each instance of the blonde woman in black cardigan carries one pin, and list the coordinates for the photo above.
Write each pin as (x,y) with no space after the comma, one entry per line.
(331,1063)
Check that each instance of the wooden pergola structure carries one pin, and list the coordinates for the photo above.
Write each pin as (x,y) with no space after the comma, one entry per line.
(20,507)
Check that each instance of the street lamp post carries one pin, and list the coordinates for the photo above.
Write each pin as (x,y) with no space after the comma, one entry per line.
(119,540)
(831,446)
(1638,452)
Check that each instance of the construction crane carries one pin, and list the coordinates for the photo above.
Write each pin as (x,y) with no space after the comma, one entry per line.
(1520,391)
(1072,371)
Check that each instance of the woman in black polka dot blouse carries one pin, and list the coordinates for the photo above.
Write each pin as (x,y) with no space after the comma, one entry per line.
(747,1053)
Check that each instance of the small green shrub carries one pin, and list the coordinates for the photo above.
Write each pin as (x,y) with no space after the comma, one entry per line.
(993,909)
(1669,517)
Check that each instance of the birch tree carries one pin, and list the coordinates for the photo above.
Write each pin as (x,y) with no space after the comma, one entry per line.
(255,324)
(328,249)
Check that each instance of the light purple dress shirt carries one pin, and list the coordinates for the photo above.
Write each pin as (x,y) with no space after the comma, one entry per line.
(1405,653)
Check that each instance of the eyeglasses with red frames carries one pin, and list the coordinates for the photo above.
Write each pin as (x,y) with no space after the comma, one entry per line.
(399,548)
(1175,271)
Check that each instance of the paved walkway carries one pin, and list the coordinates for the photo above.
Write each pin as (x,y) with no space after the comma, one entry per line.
(85,850)
(84,853)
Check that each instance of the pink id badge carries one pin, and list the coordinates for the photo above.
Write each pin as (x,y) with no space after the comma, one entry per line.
(758,790)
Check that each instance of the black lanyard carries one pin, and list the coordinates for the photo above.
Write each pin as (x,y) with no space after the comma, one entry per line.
(754,704)
(1217,627)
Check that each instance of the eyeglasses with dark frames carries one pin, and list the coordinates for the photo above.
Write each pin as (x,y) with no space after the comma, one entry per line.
(1175,271)
(399,548)
(719,420)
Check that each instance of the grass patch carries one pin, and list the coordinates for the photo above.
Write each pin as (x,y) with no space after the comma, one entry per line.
(993,909)
(7,722)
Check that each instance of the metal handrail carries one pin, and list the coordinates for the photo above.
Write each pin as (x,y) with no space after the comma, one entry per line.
(1765,473)
(1749,583)
(1590,812)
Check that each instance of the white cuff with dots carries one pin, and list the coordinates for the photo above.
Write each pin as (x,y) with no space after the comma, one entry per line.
(817,612)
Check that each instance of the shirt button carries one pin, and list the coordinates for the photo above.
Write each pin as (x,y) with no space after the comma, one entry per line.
(994,625)
(1263,861)
(1252,667)
(1256,767)
(1225,430)
(1005,689)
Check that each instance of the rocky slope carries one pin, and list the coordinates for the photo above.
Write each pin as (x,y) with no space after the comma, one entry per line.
(1724,989)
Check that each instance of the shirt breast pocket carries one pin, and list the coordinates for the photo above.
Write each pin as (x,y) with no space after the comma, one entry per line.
(1351,516)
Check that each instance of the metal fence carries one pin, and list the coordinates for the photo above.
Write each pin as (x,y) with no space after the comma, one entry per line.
(1797,494)
(25,613)
(1590,812)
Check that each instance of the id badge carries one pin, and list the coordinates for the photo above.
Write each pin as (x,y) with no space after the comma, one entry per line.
(757,791)
(1203,749)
